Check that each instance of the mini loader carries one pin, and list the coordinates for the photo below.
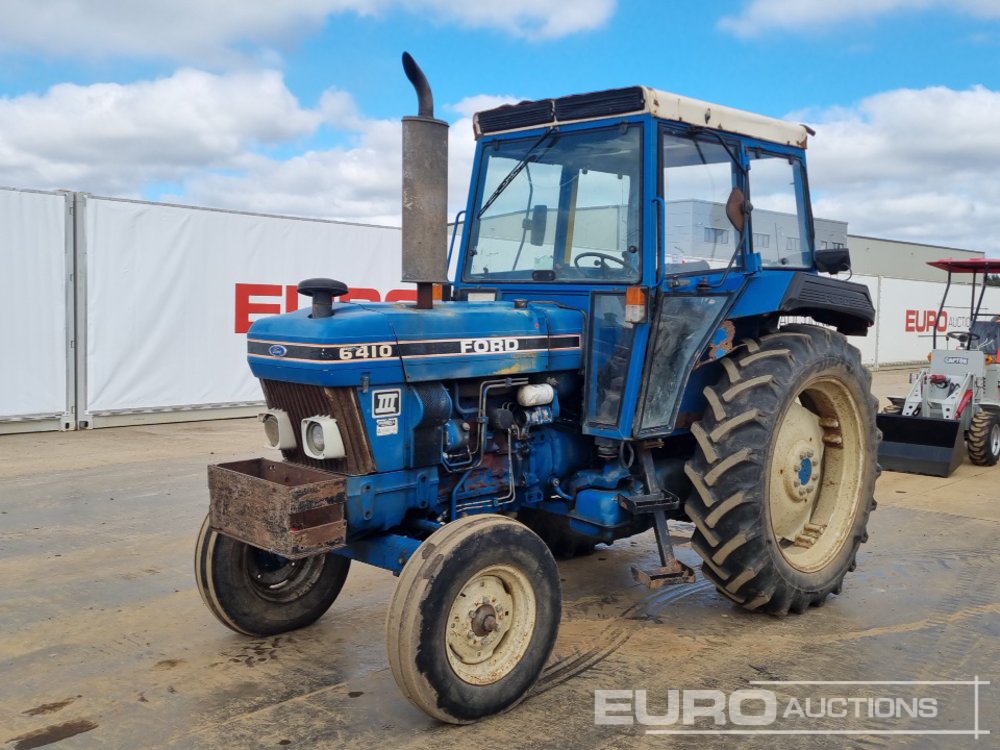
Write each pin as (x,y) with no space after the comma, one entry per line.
(607,357)
(953,408)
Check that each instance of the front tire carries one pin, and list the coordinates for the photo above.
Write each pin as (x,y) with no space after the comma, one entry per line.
(258,593)
(984,439)
(785,468)
(474,618)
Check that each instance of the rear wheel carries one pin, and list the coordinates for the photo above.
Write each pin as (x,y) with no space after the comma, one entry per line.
(255,592)
(984,439)
(785,468)
(474,618)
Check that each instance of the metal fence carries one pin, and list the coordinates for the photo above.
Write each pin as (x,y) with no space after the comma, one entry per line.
(130,312)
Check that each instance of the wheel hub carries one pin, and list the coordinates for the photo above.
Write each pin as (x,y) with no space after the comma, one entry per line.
(479,619)
(814,481)
(490,624)
(484,621)
(799,453)
(802,473)
(272,573)
(279,579)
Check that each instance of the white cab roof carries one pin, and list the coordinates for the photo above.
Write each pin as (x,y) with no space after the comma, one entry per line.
(671,106)
(659,103)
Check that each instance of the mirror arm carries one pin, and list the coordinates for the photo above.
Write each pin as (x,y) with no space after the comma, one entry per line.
(454,233)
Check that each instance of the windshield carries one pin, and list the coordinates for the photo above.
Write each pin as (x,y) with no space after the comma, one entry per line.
(560,207)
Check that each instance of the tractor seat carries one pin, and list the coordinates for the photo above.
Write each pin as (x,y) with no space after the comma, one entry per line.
(988,333)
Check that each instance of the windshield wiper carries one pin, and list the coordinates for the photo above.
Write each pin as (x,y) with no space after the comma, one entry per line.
(514,172)
(722,142)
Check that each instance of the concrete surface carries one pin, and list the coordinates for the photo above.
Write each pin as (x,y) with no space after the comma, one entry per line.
(106,643)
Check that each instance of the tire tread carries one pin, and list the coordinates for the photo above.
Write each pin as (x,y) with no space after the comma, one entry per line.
(732,440)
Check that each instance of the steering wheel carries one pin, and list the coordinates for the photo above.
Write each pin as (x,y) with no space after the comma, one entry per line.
(965,339)
(602,256)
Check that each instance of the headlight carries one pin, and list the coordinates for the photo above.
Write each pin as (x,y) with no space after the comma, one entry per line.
(321,438)
(314,437)
(277,429)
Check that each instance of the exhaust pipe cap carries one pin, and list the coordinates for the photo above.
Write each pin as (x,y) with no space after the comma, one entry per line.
(425,99)
(322,292)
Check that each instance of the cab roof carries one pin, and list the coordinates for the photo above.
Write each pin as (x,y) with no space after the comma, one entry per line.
(638,100)
(967,265)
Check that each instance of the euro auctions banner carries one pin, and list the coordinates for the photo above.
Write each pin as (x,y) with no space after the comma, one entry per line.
(165,294)
(909,315)
(172,290)
(34,280)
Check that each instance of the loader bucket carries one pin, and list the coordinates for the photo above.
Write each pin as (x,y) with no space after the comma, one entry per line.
(920,445)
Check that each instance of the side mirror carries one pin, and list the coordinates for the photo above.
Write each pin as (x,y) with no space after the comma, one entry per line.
(737,208)
(539,219)
(832,259)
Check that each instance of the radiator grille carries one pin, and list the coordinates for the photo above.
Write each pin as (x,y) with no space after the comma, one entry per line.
(303,401)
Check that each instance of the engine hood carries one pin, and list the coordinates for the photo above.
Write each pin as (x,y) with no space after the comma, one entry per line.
(381,343)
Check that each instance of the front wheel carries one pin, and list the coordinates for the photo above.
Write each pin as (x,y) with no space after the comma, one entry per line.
(984,439)
(474,618)
(785,468)
(258,593)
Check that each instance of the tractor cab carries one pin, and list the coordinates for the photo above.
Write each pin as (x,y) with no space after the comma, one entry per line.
(983,330)
(676,227)
(953,407)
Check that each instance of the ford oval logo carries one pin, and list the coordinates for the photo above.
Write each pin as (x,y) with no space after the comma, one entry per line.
(278,351)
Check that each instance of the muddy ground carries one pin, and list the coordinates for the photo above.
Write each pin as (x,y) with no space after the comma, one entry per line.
(106,644)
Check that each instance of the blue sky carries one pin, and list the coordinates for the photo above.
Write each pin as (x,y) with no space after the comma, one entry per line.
(291,107)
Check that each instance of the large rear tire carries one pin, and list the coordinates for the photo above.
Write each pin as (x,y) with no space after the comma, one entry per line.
(474,618)
(784,471)
(984,439)
(258,593)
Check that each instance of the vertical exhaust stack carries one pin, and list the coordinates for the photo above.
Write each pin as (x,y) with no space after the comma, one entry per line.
(425,192)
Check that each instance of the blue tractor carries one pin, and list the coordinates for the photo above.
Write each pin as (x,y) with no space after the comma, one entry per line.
(613,352)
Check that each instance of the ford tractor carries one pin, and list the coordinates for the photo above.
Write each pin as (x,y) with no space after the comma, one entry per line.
(612,352)
(953,408)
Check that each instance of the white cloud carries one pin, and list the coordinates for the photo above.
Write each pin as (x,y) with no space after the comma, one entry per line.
(360,182)
(909,164)
(472,104)
(113,138)
(533,19)
(221,31)
(759,16)
(912,164)
(209,135)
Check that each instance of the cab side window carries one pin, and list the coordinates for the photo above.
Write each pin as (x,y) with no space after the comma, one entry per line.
(782,233)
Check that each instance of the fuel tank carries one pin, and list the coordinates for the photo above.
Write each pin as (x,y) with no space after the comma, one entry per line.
(383,343)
